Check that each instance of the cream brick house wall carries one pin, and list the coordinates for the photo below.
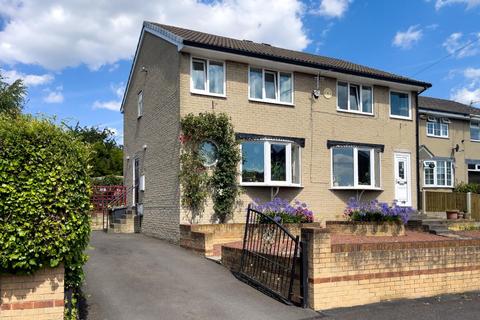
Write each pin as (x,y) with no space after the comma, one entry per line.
(458,134)
(158,129)
(314,120)
(165,83)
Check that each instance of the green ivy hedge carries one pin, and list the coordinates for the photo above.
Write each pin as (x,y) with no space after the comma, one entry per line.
(44,198)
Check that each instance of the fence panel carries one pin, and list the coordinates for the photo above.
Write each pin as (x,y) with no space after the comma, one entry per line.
(475,206)
(442,201)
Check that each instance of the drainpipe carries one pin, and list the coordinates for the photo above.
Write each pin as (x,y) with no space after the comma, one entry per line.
(417,143)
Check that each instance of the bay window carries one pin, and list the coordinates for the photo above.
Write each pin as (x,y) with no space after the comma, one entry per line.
(270,86)
(473,173)
(437,128)
(355,168)
(270,163)
(475,130)
(354,98)
(207,77)
(400,105)
(438,173)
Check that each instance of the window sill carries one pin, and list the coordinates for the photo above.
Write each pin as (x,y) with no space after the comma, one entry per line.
(357,188)
(356,112)
(271,184)
(204,93)
(400,117)
(272,102)
(439,137)
(473,140)
(437,187)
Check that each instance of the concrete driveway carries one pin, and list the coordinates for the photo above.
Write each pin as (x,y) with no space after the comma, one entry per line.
(135,277)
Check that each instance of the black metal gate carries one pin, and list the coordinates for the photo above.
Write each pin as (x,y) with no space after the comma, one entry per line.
(269,258)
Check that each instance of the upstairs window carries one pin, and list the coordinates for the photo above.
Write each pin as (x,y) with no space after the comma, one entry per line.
(355,168)
(438,173)
(140,104)
(400,105)
(475,130)
(354,98)
(208,77)
(270,86)
(437,128)
(270,163)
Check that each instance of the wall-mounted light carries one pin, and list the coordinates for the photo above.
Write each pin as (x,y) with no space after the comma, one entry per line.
(144,147)
(128,158)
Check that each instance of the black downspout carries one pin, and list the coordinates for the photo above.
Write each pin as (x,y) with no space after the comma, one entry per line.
(417,151)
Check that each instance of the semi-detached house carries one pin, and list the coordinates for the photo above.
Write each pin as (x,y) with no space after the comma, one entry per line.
(336,129)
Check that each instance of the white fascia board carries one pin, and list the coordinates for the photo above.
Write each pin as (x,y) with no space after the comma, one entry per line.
(159,32)
(443,114)
(282,66)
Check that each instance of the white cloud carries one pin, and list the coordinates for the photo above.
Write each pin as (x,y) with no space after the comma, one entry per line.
(470,3)
(30,80)
(406,39)
(55,96)
(63,34)
(113,105)
(472,73)
(332,8)
(465,95)
(459,46)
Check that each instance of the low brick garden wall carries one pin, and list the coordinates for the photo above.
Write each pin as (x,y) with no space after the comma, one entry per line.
(372,229)
(349,274)
(39,296)
(206,238)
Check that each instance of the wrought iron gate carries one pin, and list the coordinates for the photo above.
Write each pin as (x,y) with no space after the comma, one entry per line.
(269,257)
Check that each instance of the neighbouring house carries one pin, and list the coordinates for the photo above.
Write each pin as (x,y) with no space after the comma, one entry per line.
(449,143)
(313,128)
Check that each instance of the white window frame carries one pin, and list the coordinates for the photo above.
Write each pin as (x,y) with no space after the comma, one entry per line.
(477,124)
(268,182)
(477,169)
(360,87)
(207,77)
(357,186)
(433,135)
(277,72)
(435,183)
(140,104)
(409,105)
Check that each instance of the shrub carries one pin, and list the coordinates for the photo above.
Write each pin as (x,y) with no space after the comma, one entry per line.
(110,180)
(44,198)
(375,211)
(467,187)
(283,212)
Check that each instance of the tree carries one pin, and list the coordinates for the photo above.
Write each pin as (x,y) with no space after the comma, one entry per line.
(12,97)
(107,158)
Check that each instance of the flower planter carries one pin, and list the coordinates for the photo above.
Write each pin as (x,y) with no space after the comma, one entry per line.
(371,229)
(452,214)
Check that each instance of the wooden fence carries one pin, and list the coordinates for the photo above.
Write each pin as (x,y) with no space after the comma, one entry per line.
(443,201)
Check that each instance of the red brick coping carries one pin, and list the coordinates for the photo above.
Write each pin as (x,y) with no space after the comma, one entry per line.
(392,274)
(32,305)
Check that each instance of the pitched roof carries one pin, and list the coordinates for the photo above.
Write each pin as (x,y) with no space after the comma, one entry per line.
(446,106)
(266,51)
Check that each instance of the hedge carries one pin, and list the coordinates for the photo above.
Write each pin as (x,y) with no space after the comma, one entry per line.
(44,198)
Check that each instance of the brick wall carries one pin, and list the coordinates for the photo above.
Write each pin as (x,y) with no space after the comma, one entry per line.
(158,129)
(39,296)
(344,275)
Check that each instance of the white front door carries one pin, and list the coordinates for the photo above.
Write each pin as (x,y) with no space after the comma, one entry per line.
(402,179)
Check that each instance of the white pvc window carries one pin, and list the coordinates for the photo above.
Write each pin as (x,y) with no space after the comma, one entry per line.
(475,130)
(354,98)
(355,168)
(437,128)
(270,85)
(270,163)
(438,173)
(207,77)
(400,105)
(140,104)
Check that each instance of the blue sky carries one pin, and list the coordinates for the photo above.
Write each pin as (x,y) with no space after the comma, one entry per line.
(75,55)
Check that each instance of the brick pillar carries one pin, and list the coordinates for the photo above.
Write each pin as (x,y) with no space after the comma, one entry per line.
(319,243)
